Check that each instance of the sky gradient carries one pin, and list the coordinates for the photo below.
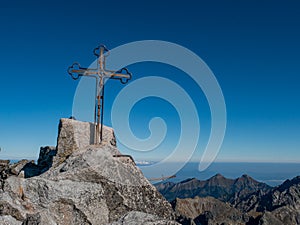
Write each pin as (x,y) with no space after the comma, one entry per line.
(251,46)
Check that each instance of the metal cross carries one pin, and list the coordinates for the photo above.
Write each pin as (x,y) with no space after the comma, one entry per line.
(100,74)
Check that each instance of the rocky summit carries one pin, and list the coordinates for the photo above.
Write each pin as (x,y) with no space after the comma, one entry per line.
(80,183)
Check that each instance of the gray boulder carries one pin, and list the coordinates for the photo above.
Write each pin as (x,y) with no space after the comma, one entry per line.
(9,220)
(17,167)
(269,219)
(138,218)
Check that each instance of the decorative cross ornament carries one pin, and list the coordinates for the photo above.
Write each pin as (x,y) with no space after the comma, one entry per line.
(100,74)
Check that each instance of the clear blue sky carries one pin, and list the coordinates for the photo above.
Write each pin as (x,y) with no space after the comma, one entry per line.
(252,47)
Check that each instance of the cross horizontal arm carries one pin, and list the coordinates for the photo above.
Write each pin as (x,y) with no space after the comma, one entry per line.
(84,71)
(120,75)
(123,75)
(75,71)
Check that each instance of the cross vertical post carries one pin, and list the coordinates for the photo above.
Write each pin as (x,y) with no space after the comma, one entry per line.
(100,74)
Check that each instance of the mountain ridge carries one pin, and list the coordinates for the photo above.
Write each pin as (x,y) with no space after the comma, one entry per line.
(242,200)
(217,186)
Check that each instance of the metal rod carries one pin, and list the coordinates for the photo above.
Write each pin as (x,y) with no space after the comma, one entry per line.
(99,105)
(95,110)
(102,113)
(101,58)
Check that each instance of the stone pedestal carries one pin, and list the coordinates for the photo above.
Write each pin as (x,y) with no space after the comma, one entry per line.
(74,135)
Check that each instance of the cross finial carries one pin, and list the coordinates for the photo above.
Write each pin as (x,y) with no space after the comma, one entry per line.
(100,74)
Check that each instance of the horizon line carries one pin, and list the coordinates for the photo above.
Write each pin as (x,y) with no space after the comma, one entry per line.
(153,161)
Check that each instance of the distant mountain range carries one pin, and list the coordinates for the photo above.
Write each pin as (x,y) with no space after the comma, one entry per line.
(233,201)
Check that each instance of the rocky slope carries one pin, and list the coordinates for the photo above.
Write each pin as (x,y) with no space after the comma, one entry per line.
(207,210)
(282,203)
(79,183)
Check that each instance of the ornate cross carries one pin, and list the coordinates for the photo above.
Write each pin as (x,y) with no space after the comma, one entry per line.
(100,74)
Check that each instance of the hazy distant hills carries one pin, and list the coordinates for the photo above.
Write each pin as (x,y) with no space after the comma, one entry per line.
(217,186)
(233,201)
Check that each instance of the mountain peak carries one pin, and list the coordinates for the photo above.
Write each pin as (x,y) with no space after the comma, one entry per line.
(289,183)
(245,178)
(219,179)
(218,176)
(296,180)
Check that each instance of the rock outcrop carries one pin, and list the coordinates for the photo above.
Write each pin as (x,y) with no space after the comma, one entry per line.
(282,203)
(4,169)
(268,219)
(207,210)
(82,183)
(28,168)
(142,218)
